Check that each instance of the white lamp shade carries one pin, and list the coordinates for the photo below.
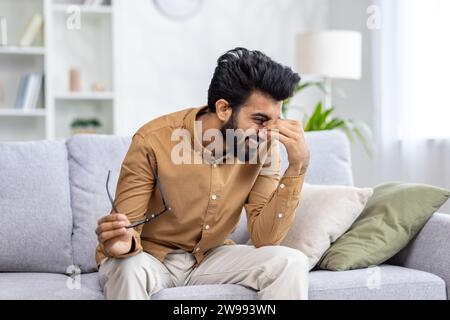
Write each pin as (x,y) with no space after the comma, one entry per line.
(331,54)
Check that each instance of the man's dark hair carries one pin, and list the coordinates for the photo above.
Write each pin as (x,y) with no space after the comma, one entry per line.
(239,72)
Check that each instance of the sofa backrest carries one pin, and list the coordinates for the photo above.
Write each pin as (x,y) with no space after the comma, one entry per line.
(52,194)
(91,156)
(35,213)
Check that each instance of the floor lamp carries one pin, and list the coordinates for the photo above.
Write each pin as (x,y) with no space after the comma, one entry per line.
(331,54)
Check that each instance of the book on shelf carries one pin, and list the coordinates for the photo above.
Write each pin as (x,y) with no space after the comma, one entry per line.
(31,31)
(29,91)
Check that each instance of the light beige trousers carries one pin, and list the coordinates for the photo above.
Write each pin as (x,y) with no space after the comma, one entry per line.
(276,272)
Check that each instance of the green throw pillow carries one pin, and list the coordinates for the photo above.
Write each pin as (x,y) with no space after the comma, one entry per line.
(391,218)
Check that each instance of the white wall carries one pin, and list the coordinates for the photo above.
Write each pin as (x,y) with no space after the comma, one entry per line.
(163,65)
(358,100)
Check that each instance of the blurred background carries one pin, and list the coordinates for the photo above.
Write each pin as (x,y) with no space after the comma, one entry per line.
(376,69)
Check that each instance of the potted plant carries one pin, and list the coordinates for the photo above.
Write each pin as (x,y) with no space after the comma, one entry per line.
(321,119)
(85,125)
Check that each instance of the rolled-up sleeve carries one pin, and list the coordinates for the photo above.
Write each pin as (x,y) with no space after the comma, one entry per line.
(272,202)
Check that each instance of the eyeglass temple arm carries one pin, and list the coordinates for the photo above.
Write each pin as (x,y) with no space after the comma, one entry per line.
(109,195)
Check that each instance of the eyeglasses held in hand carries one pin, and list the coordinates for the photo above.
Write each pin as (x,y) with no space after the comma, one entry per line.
(148,216)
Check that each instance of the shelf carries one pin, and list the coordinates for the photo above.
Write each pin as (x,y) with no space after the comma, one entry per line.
(22,50)
(101,9)
(84,95)
(22,113)
(53,53)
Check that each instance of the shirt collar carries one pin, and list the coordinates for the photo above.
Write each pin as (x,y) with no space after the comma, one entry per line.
(196,142)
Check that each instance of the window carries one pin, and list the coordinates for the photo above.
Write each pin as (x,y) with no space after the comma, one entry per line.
(425,57)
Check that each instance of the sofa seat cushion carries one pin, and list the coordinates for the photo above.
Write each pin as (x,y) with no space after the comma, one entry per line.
(385,282)
(207,292)
(26,286)
(50,286)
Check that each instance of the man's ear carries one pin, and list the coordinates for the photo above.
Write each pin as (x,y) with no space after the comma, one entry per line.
(223,110)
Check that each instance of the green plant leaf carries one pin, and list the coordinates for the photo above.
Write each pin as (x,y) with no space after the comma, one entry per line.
(322,122)
(332,124)
(298,88)
(312,123)
(319,84)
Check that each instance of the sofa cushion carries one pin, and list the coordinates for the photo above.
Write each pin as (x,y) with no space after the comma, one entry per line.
(36,225)
(42,286)
(90,158)
(385,282)
(206,292)
(395,213)
(324,214)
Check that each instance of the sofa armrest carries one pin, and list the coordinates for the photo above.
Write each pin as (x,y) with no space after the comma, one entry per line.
(429,251)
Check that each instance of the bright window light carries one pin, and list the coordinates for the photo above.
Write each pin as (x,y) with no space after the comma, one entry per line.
(426,69)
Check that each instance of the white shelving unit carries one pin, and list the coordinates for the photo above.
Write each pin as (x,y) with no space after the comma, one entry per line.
(103,9)
(22,50)
(22,113)
(59,48)
(84,95)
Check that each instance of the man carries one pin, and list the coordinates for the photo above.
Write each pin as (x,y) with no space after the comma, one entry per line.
(187,245)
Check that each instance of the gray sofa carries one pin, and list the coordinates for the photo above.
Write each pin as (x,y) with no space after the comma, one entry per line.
(53,192)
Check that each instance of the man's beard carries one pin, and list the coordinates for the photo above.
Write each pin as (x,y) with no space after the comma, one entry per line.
(237,146)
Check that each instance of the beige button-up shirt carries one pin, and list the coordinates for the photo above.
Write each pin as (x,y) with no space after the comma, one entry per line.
(206,199)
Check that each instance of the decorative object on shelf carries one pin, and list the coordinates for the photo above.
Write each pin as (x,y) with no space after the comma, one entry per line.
(29,91)
(98,87)
(74,79)
(330,54)
(32,29)
(85,125)
(3,32)
(178,9)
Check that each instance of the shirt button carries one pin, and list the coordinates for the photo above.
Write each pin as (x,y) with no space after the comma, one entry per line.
(282,186)
(197,249)
(214,197)
(207,227)
(280,215)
